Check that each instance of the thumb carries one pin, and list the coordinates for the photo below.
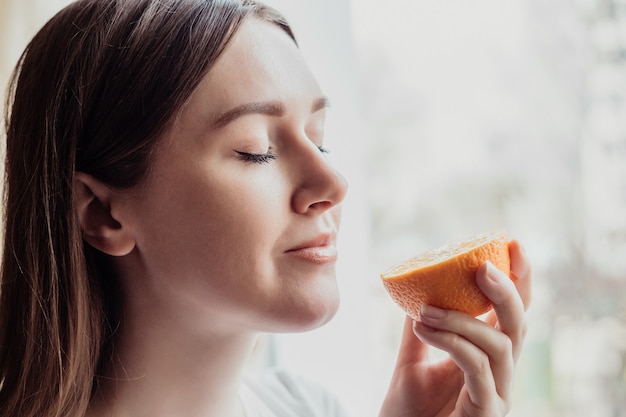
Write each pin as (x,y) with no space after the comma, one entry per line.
(412,349)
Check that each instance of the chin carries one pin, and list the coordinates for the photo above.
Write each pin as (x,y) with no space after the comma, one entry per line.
(320,318)
(310,314)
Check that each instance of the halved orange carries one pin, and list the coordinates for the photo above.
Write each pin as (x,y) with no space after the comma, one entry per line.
(446,277)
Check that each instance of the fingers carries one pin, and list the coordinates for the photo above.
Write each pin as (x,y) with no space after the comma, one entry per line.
(483,353)
(510,297)
(471,360)
(521,275)
(507,304)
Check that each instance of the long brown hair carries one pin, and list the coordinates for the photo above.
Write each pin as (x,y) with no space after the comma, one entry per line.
(93,92)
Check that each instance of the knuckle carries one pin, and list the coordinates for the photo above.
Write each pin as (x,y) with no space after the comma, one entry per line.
(456,341)
(482,365)
(518,334)
(523,329)
(505,346)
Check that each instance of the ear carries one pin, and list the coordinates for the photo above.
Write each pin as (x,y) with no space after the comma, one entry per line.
(100,228)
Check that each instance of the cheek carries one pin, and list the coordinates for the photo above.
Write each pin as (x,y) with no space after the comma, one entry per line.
(219,224)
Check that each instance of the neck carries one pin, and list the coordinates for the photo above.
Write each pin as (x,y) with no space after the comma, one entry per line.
(160,369)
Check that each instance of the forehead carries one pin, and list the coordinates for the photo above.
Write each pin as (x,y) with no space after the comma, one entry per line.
(261,63)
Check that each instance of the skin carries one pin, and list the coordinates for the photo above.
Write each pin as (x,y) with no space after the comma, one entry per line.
(216,246)
(477,378)
(233,233)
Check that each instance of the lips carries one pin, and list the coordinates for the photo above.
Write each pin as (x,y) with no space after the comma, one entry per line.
(319,250)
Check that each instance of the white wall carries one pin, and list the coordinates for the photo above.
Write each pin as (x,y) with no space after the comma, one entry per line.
(19,20)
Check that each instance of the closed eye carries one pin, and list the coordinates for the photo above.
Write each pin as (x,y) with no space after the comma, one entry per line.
(256,158)
(263,158)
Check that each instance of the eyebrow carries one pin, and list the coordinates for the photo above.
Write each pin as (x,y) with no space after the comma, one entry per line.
(270,108)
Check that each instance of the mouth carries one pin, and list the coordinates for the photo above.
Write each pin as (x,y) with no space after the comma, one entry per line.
(320,250)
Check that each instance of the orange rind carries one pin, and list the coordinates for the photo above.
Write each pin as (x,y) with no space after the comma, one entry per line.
(446,277)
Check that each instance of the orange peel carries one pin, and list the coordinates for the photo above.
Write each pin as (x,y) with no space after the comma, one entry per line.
(446,277)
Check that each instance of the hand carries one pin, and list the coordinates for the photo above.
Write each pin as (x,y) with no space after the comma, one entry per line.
(476,380)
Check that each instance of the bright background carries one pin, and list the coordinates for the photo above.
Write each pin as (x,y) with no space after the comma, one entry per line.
(451,118)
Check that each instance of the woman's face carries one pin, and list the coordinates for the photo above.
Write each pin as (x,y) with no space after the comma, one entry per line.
(236,222)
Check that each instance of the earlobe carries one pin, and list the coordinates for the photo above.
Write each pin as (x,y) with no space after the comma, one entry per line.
(100,228)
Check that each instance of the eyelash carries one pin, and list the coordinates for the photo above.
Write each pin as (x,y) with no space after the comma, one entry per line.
(323,149)
(264,158)
(257,158)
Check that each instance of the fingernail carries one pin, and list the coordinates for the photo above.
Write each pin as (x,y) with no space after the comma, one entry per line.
(493,273)
(420,327)
(431,312)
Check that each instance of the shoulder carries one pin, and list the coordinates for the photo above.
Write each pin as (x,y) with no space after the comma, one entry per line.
(286,395)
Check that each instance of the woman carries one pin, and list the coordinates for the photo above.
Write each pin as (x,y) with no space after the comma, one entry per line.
(167,199)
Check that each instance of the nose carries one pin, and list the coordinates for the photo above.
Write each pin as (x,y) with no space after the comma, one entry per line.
(320,186)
